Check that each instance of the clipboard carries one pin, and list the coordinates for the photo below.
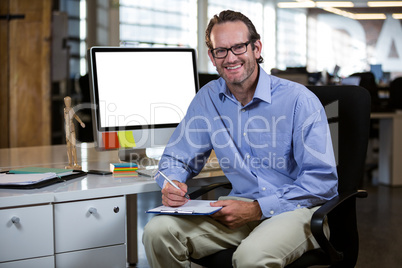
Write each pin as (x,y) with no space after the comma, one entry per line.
(43,183)
(192,207)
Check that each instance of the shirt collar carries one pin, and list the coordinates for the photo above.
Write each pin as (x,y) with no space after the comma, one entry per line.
(262,92)
(224,91)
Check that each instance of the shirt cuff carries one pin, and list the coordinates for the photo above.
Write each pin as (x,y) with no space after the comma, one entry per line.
(270,206)
(171,174)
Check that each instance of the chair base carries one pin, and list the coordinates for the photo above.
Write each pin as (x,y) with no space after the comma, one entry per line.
(222,259)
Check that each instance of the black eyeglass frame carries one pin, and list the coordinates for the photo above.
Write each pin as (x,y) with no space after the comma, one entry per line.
(231,49)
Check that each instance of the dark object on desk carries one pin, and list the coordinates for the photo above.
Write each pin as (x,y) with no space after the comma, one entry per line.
(44,183)
(99,172)
(295,74)
(395,94)
(85,134)
(341,250)
(205,78)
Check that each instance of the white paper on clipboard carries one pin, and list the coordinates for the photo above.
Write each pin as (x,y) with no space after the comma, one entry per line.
(192,207)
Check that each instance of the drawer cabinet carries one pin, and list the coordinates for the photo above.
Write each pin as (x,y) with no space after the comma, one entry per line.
(26,232)
(44,262)
(108,257)
(89,224)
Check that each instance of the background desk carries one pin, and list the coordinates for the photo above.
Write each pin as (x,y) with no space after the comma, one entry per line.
(79,223)
(390,149)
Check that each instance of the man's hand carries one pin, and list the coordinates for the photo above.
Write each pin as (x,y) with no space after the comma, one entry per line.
(173,197)
(236,213)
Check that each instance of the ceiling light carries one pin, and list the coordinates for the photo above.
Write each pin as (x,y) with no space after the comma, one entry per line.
(397,16)
(356,16)
(370,16)
(339,12)
(334,4)
(384,3)
(304,4)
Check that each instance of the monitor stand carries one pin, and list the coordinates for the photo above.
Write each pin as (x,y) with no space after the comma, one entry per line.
(142,157)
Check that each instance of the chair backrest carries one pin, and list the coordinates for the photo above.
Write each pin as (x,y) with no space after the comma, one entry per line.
(395,93)
(367,81)
(352,116)
(351,139)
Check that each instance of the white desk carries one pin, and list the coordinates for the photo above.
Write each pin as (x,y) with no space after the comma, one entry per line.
(390,149)
(79,223)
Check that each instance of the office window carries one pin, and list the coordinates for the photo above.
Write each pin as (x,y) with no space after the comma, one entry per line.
(336,41)
(76,10)
(291,38)
(251,8)
(158,22)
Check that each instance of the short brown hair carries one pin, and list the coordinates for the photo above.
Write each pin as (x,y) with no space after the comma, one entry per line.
(230,15)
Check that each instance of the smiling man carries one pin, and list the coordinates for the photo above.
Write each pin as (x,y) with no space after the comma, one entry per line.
(271,138)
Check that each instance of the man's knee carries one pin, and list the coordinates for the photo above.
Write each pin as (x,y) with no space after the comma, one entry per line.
(157,229)
(251,254)
(163,243)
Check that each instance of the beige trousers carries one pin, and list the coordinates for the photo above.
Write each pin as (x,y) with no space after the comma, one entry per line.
(169,241)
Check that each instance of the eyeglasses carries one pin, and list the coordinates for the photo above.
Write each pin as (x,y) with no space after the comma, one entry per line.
(222,52)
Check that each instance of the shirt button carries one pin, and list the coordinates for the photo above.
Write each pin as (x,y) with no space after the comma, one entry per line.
(244,134)
(263,188)
(298,206)
(271,212)
(248,156)
(243,110)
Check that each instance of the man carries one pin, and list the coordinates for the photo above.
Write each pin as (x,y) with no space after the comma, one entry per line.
(272,140)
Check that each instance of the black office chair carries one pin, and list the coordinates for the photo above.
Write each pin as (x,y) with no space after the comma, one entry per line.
(367,81)
(341,250)
(395,94)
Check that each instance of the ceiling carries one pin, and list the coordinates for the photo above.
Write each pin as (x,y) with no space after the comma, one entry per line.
(360,6)
(386,10)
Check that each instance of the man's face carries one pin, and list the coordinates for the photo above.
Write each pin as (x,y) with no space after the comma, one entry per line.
(235,69)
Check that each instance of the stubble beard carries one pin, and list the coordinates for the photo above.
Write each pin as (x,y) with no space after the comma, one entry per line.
(249,69)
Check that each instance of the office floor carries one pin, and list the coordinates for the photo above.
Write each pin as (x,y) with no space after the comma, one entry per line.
(379,220)
(380,227)
(145,201)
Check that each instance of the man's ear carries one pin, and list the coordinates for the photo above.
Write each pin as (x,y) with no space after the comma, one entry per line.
(211,57)
(257,48)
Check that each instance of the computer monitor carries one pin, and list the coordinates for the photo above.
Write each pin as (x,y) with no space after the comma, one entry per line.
(351,80)
(140,95)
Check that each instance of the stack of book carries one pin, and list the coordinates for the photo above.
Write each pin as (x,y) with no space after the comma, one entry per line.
(122,170)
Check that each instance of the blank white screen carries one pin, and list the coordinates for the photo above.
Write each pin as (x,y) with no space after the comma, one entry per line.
(144,88)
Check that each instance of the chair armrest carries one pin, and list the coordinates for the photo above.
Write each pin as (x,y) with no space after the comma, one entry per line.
(206,189)
(318,218)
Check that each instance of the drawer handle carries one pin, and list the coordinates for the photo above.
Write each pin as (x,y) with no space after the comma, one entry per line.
(116,209)
(15,220)
(92,210)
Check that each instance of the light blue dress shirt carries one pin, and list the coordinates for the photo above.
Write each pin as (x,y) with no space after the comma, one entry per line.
(276,149)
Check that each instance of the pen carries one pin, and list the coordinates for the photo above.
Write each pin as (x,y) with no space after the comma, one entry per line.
(173,184)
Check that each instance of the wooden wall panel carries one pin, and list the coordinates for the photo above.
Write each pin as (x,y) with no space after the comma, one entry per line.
(29,68)
(4,115)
